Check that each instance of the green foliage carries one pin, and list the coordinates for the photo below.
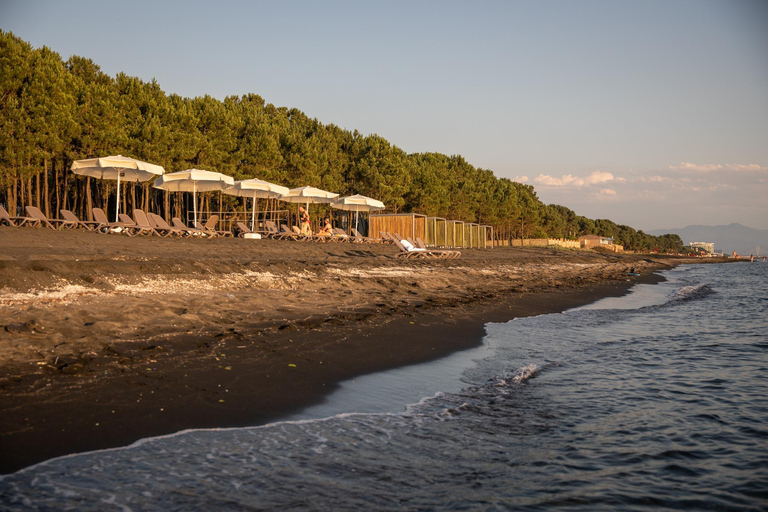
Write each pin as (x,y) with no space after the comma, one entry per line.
(56,112)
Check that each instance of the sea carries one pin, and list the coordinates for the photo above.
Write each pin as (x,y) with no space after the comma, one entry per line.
(657,400)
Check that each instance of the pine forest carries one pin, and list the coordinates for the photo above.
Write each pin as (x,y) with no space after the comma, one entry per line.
(53,112)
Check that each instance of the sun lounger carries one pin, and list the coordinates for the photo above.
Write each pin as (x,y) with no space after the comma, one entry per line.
(162,227)
(245,232)
(103,224)
(386,237)
(293,233)
(340,236)
(357,237)
(145,227)
(210,227)
(446,253)
(12,221)
(177,223)
(271,230)
(409,251)
(39,219)
(69,216)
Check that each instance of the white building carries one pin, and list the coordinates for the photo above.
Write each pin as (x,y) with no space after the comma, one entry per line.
(709,248)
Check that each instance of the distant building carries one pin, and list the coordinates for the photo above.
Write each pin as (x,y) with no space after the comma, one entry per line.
(707,247)
(588,241)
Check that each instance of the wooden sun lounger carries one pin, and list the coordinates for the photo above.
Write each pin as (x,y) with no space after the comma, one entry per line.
(39,219)
(13,221)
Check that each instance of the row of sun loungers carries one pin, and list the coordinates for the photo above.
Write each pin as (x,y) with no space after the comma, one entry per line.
(151,224)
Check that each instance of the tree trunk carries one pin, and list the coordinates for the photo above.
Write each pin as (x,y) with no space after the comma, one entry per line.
(46,193)
(38,188)
(89,199)
(56,185)
(30,193)
(166,207)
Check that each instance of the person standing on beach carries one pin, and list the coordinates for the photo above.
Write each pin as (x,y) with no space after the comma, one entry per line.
(306,229)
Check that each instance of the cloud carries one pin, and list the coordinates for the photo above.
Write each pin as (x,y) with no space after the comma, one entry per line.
(607,192)
(593,178)
(687,166)
(520,179)
(653,179)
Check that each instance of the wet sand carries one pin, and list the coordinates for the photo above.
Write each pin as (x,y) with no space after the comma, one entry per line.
(106,339)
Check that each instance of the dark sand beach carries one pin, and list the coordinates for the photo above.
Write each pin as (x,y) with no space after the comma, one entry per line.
(106,339)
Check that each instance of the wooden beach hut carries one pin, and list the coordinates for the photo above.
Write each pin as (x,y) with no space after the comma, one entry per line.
(455,234)
(404,224)
(436,228)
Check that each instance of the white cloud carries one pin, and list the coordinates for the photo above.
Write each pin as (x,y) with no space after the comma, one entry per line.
(687,166)
(593,178)
(607,192)
(653,179)
(520,179)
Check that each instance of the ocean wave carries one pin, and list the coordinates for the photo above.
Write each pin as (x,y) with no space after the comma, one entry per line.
(692,292)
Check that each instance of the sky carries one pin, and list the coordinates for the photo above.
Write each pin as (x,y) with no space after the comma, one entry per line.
(649,113)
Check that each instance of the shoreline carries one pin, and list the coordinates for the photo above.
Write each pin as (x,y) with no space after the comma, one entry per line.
(261,368)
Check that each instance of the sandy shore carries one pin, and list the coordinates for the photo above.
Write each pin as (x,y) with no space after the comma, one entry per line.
(106,339)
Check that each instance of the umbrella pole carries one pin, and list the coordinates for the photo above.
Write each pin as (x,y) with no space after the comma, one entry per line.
(253,214)
(117,203)
(194,203)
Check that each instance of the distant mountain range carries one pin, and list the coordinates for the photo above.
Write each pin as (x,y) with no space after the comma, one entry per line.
(733,237)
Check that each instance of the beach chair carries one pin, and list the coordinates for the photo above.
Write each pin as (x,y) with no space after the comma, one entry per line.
(340,236)
(69,216)
(13,221)
(242,229)
(271,230)
(295,232)
(39,219)
(162,227)
(410,252)
(357,237)
(210,227)
(145,227)
(246,232)
(444,253)
(386,237)
(103,224)
(177,223)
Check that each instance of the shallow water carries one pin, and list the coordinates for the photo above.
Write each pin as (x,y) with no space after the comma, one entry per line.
(654,400)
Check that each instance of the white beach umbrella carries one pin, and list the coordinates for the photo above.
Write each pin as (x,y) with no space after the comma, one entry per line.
(255,188)
(357,204)
(194,180)
(308,195)
(120,168)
